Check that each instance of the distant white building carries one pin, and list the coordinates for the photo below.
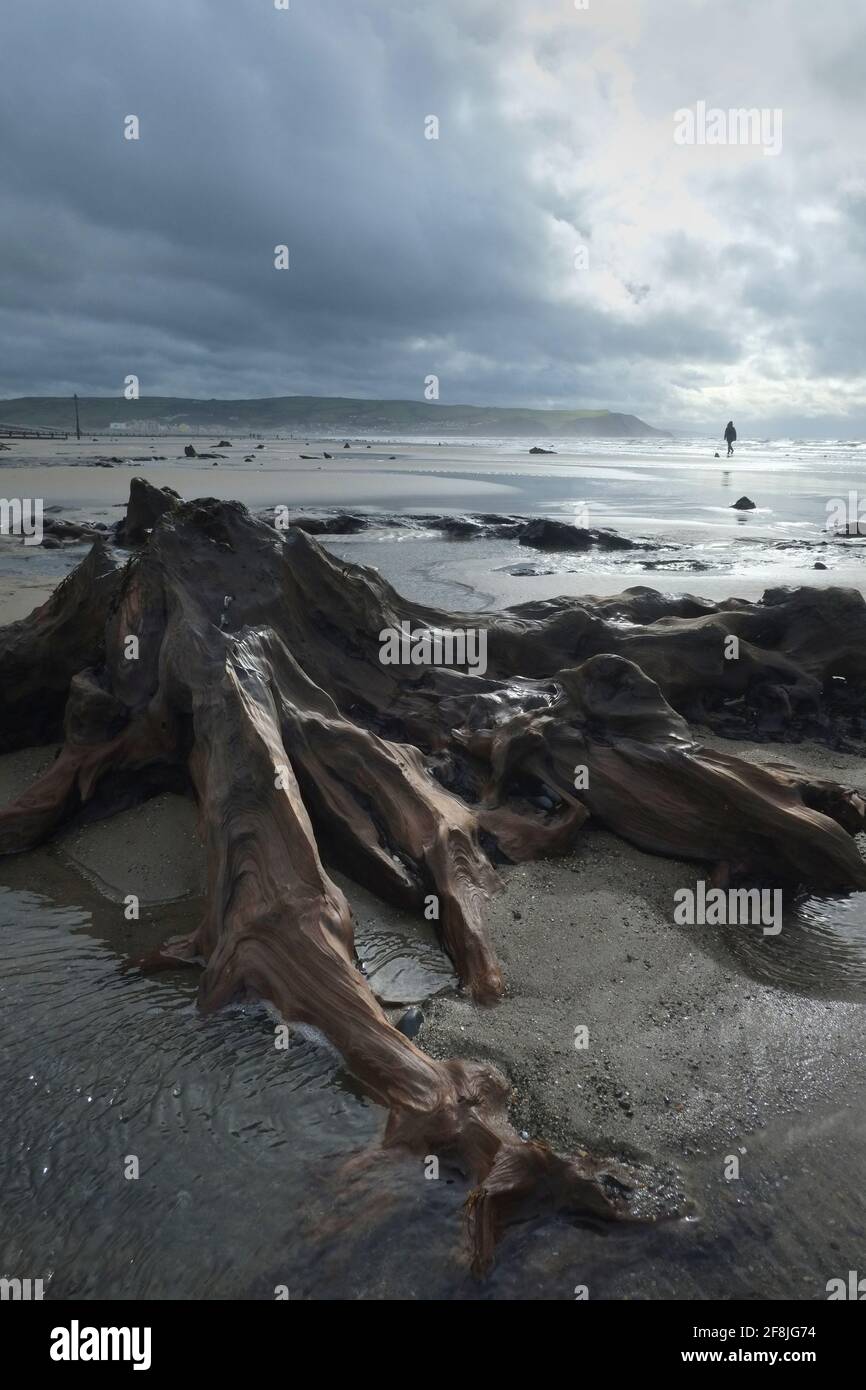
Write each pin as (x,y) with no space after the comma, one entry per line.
(146,427)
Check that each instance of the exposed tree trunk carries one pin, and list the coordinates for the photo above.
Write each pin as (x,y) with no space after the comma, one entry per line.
(258,672)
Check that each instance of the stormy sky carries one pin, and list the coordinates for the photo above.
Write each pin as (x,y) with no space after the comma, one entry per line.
(554,246)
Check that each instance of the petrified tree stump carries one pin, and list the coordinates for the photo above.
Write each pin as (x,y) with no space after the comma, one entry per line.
(250,660)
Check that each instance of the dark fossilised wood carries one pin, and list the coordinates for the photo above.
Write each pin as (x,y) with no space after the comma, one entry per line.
(40,654)
(257,670)
(648,780)
(146,505)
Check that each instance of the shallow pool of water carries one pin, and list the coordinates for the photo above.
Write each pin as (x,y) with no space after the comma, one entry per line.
(820,949)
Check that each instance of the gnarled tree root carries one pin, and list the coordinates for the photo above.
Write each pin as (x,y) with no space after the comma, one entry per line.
(255,667)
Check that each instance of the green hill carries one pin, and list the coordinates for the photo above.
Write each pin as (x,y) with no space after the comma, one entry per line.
(336,415)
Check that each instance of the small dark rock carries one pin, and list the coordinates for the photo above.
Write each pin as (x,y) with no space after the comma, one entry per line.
(456,525)
(189,451)
(545,534)
(555,535)
(342,524)
(410,1023)
(743,504)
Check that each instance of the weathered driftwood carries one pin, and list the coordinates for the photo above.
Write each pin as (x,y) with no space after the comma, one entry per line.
(256,670)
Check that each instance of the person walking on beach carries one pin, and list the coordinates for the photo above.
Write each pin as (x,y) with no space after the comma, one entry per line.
(730,436)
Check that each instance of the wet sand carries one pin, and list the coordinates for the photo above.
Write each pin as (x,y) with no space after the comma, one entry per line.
(694,1059)
(686,1048)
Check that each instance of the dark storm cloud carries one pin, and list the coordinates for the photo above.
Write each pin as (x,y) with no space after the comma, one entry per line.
(411,256)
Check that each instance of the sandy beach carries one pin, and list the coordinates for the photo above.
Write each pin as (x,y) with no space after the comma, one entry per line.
(700,1047)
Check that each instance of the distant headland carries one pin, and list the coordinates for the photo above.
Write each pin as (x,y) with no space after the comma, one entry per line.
(322,415)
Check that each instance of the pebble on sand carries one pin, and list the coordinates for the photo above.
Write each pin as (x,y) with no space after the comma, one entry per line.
(410,1023)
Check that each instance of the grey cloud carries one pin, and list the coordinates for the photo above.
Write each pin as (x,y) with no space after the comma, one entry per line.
(305,127)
